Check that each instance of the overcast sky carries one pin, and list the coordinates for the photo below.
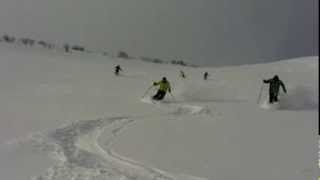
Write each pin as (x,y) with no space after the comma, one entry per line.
(212,32)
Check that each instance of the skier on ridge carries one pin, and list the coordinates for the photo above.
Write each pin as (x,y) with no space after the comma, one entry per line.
(164,86)
(205,76)
(182,74)
(274,87)
(117,70)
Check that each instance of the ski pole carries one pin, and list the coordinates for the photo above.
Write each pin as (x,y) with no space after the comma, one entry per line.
(172,96)
(147,91)
(259,96)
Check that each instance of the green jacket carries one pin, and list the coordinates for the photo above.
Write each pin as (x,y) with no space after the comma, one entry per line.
(164,85)
(275,85)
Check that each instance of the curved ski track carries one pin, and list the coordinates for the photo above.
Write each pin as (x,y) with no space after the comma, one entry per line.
(81,158)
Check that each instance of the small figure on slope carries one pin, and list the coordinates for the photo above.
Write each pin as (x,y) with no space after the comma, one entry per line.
(164,86)
(274,88)
(182,74)
(66,48)
(205,76)
(117,70)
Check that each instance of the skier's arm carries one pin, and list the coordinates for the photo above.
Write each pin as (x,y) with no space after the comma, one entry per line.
(156,83)
(283,87)
(267,81)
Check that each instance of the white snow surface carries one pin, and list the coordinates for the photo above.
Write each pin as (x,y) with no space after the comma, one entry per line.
(67,117)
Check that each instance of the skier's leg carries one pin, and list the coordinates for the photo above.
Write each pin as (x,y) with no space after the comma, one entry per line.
(161,95)
(156,96)
(275,98)
(270,98)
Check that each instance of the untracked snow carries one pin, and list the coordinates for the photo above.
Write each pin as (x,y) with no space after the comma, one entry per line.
(68,117)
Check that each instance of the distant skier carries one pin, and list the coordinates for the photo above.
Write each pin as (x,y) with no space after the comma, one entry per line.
(164,86)
(117,70)
(205,76)
(182,74)
(274,87)
(66,48)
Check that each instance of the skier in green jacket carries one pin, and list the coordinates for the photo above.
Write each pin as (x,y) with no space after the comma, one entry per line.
(274,88)
(164,86)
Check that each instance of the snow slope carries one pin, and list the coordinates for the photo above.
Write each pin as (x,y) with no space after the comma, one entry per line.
(66,116)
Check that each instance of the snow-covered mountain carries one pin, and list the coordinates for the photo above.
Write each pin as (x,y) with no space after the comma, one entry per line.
(68,117)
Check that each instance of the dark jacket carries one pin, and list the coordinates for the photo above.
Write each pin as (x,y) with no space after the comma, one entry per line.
(275,84)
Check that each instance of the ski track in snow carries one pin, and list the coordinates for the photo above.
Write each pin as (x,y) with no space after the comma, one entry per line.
(191,109)
(179,108)
(80,157)
(266,105)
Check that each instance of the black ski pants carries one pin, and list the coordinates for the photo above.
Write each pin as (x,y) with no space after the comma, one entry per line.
(159,96)
(273,97)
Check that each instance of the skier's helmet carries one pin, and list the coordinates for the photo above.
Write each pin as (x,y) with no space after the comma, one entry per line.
(164,79)
(276,77)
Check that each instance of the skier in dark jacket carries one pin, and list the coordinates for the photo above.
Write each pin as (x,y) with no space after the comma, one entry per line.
(117,70)
(164,87)
(205,76)
(274,87)
(182,74)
